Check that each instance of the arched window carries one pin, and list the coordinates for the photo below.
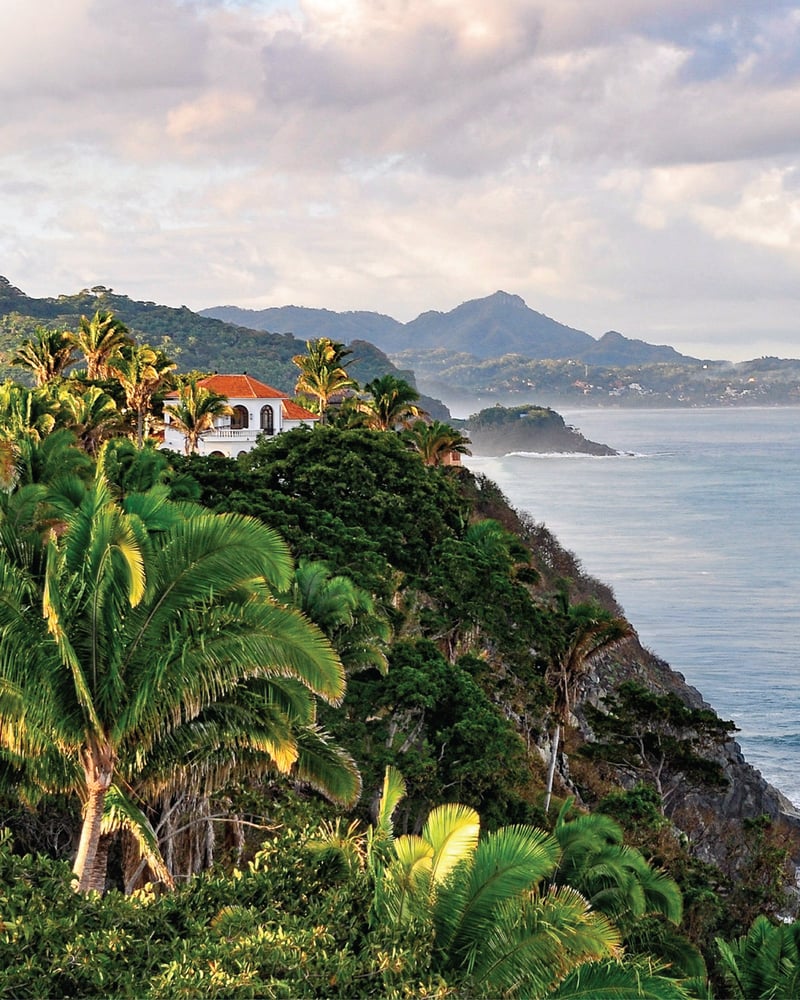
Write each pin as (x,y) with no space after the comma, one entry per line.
(267,420)
(240,418)
(216,454)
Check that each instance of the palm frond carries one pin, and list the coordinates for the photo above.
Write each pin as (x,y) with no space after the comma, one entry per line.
(453,831)
(619,980)
(392,792)
(120,813)
(506,863)
(326,767)
(535,941)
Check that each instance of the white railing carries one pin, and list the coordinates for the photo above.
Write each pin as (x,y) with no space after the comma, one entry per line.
(226,434)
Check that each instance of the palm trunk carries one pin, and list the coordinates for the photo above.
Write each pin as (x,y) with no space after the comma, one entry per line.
(90,863)
(87,862)
(551,769)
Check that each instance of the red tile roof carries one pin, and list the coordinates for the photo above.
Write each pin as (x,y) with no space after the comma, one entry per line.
(294,412)
(241,387)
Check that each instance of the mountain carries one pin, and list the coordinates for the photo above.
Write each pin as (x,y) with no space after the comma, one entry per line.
(497,325)
(614,349)
(310,324)
(491,327)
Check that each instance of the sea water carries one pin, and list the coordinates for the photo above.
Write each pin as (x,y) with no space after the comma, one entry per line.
(696,527)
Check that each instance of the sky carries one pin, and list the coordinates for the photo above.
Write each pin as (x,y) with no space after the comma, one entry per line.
(626,165)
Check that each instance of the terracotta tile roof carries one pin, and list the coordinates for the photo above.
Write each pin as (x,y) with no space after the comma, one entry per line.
(294,412)
(241,387)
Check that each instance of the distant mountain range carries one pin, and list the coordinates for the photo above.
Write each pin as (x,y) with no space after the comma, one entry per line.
(490,327)
(494,349)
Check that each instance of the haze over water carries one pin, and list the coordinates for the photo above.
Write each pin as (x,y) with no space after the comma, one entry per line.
(697,529)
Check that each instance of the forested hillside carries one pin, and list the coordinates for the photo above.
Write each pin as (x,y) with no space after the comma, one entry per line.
(332,719)
(193,341)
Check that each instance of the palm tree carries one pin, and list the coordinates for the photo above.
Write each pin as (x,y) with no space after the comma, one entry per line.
(614,878)
(93,417)
(345,612)
(765,963)
(30,413)
(47,354)
(497,925)
(392,405)
(100,340)
(499,928)
(156,617)
(436,441)
(582,632)
(141,371)
(323,374)
(195,412)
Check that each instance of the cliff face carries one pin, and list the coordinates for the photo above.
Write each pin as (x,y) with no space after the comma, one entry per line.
(713,817)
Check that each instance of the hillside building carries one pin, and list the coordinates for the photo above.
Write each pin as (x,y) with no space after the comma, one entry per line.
(257,409)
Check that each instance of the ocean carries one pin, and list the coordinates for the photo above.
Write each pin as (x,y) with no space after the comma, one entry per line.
(696,527)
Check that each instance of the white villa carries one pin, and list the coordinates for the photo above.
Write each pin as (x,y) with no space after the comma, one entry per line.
(257,409)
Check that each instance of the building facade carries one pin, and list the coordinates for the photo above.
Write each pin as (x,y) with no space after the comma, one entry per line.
(257,409)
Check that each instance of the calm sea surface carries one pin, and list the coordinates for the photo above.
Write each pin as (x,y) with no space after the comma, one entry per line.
(697,529)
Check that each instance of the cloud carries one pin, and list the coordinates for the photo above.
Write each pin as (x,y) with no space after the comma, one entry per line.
(627,164)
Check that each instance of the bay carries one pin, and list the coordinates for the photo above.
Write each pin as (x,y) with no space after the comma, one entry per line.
(697,529)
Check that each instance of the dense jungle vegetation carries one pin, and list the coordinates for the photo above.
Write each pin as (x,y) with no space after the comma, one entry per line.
(281,726)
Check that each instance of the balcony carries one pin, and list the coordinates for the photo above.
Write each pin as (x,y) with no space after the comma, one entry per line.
(227,434)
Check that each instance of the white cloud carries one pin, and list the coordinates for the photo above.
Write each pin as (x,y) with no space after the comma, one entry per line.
(624,164)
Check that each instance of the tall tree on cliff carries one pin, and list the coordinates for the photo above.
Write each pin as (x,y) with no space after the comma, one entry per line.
(581,632)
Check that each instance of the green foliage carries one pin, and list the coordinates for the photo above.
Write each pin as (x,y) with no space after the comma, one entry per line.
(345,496)
(764,964)
(347,614)
(761,868)
(435,723)
(323,373)
(498,417)
(280,928)
(463,572)
(390,404)
(658,738)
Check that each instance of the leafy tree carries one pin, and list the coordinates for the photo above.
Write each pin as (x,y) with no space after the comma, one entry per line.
(195,412)
(100,340)
(657,738)
(343,484)
(434,721)
(153,615)
(760,869)
(392,404)
(323,373)
(47,354)
(463,572)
